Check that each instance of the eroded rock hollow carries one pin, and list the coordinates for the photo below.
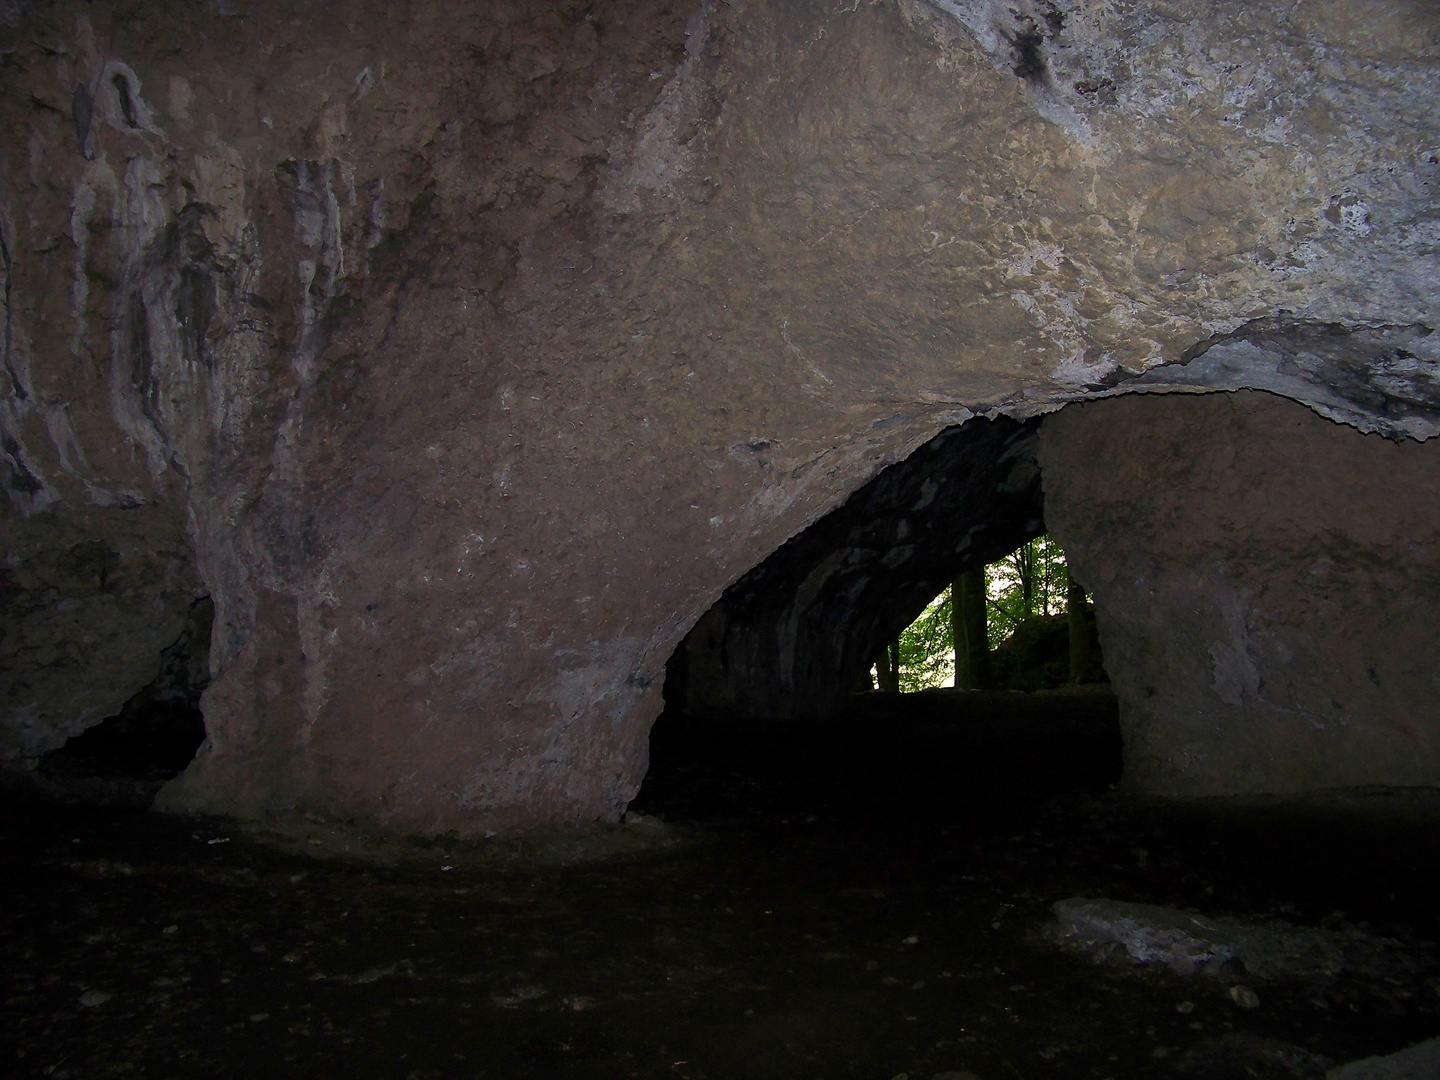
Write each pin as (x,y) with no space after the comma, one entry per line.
(464,355)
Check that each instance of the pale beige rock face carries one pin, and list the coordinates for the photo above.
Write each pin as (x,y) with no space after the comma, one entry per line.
(449,331)
(1266,583)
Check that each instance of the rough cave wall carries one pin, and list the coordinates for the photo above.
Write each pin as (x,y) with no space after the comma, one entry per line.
(794,638)
(90,597)
(477,348)
(1267,585)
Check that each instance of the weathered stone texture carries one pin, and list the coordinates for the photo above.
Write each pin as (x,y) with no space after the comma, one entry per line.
(480,347)
(1267,585)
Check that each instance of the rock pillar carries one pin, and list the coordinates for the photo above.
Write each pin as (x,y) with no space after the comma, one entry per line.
(1267,586)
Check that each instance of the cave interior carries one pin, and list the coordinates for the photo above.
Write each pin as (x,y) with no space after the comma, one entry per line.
(462,463)
(875,871)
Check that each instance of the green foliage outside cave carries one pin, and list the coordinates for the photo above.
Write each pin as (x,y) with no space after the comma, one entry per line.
(1025,592)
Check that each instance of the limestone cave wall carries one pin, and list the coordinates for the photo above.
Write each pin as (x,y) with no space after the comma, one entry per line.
(475,350)
(1267,586)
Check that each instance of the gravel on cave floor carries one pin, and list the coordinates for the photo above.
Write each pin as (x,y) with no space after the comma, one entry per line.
(865,902)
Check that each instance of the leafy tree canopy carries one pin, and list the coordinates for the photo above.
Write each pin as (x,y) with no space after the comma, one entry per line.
(1030,581)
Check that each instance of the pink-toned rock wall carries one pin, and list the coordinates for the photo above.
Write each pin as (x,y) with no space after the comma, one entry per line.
(1267,585)
(476,348)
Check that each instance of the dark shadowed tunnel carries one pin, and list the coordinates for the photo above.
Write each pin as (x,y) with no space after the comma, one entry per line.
(793,640)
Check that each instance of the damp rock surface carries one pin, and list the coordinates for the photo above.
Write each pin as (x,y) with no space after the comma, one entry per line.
(89,602)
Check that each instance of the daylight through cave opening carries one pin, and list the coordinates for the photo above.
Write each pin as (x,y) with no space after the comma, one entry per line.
(793,640)
(1021,623)
(779,671)
(1261,575)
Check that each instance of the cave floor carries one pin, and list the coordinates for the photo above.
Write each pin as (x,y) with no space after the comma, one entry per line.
(866,903)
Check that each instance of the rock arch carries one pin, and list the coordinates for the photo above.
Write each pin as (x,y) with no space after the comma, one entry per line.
(794,638)
(471,353)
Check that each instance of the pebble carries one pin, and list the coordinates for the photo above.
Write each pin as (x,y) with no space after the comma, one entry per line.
(92,998)
(1244,997)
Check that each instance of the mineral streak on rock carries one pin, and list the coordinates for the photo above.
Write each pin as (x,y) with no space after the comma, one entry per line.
(431,328)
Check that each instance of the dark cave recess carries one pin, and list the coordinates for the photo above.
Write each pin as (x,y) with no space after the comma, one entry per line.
(127,757)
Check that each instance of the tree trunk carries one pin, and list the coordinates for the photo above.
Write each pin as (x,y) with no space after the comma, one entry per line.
(957,632)
(887,669)
(1047,585)
(1025,564)
(972,637)
(1084,645)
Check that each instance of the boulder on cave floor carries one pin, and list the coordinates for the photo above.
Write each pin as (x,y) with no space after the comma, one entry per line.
(1420,1062)
(1189,942)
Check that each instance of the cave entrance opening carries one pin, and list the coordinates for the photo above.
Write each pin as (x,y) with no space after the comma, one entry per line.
(794,639)
(1020,623)
(778,677)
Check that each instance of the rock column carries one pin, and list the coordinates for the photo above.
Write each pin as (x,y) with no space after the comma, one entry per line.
(1267,587)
